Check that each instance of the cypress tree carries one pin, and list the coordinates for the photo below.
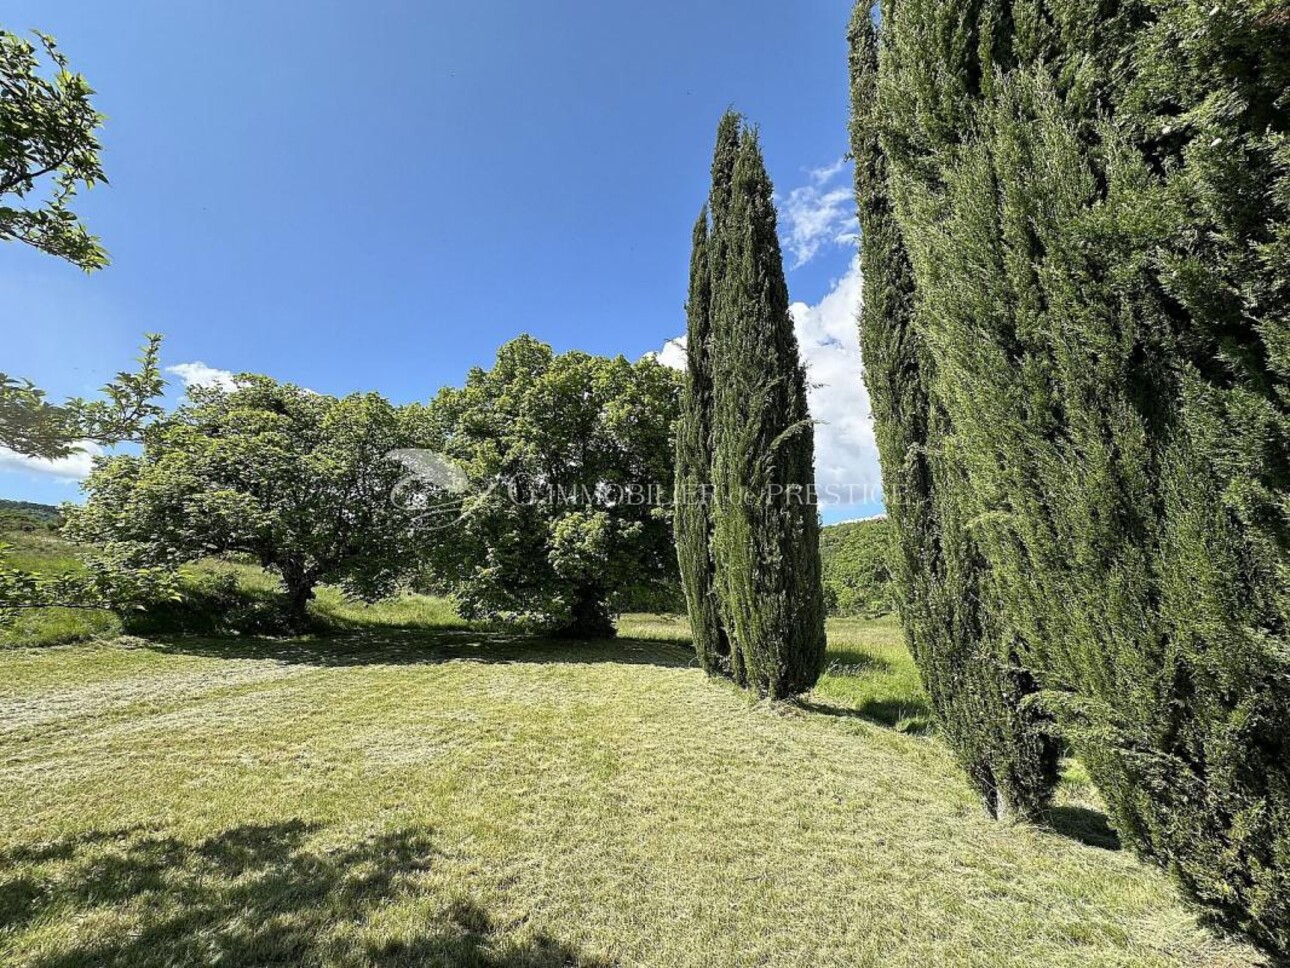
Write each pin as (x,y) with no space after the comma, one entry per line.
(1095,199)
(977,688)
(765,543)
(693,521)
(693,518)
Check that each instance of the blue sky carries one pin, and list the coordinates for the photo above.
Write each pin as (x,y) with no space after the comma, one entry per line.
(376,196)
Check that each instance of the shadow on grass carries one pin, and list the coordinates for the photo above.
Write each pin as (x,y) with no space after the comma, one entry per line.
(1089,827)
(252,895)
(425,646)
(212,605)
(230,603)
(910,716)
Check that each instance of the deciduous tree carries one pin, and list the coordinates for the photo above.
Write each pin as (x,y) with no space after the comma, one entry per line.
(569,464)
(32,426)
(299,481)
(48,148)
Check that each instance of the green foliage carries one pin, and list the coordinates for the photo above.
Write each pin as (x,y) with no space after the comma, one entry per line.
(32,426)
(298,481)
(765,527)
(101,588)
(29,424)
(28,516)
(48,147)
(968,661)
(44,554)
(217,598)
(226,596)
(49,595)
(855,563)
(692,517)
(1096,203)
(569,460)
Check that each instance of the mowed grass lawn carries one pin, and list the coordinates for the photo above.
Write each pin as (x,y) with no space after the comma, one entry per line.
(436,795)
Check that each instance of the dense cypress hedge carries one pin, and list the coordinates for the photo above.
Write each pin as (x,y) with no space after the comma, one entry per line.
(764,541)
(967,663)
(1095,202)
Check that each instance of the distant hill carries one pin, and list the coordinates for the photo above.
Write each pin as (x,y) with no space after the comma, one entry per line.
(857,579)
(28,516)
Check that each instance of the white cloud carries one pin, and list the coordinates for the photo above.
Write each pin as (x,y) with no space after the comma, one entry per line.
(76,467)
(821,213)
(822,176)
(672,354)
(846,453)
(200,375)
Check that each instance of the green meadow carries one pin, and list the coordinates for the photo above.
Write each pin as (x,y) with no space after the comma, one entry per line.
(405,789)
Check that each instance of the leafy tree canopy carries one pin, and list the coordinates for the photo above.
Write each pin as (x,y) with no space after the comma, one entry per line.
(855,557)
(32,426)
(569,459)
(299,481)
(48,147)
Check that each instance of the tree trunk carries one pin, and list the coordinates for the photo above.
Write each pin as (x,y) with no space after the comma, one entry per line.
(300,592)
(590,617)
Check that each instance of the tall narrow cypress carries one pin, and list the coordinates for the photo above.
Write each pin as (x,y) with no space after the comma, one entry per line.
(693,519)
(765,542)
(1095,199)
(976,686)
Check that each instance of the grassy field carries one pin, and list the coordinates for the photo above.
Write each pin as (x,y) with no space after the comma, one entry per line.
(217,597)
(47,552)
(414,792)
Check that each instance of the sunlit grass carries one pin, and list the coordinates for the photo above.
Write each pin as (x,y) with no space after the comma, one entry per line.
(405,794)
(216,597)
(406,611)
(44,551)
(869,673)
(654,628)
